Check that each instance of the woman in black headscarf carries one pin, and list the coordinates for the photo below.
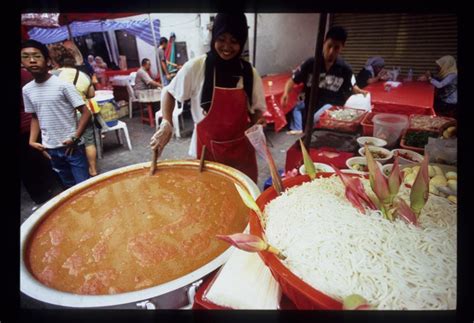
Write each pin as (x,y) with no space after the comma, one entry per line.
(226,96)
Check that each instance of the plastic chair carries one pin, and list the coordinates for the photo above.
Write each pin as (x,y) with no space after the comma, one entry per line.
(177,115)
(131,93)
(119,126)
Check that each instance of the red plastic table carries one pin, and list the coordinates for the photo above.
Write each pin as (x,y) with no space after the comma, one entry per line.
(326,155)
(408,98)
(110,73)
(273,87)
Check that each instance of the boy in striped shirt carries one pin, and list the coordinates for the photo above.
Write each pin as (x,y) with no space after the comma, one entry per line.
(53,103)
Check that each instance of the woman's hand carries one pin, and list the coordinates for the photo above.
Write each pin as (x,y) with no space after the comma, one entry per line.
(384,75)
(262,121)
(162,136)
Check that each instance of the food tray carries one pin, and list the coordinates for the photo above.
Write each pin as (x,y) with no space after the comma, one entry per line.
(326,121)
(417,149)
(430,123)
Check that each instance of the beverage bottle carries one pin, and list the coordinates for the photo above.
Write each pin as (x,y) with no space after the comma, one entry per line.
(410,75)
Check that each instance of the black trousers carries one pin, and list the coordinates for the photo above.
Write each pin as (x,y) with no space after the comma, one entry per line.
(36,173)
(445,109)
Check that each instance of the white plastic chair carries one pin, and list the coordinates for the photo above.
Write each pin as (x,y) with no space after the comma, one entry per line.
(119,126)
(177,115)
(131,93)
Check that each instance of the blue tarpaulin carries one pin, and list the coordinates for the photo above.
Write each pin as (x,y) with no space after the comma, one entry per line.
(138,28)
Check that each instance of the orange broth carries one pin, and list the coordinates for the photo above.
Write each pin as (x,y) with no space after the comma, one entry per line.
(134,231)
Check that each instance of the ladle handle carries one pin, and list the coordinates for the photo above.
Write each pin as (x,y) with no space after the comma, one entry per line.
(201,162)
(154,159)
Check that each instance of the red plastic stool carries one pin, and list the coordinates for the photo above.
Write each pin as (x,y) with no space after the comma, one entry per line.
(147,117)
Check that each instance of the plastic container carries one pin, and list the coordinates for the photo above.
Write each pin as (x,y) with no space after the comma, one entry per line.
(406,156)
(371,141)
(431,123)
(410,75)
(328,122)
(389,127)
(385,152)
(367,124)
(421,150)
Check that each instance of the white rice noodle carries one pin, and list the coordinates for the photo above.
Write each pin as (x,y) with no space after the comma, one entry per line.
(339,251)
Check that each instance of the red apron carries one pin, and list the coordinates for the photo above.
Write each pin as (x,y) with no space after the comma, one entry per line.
(222,132)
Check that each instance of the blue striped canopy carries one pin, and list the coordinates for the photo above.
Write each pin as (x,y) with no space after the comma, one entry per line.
(138,28)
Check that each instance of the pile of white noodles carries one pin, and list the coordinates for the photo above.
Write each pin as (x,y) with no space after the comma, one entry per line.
(339,251)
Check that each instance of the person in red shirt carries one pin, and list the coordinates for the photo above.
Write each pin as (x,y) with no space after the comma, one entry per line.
(35,171)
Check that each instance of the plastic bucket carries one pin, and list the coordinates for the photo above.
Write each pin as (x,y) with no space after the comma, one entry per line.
(389,127)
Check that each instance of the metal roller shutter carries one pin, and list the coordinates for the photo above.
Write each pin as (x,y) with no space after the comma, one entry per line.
(407,40)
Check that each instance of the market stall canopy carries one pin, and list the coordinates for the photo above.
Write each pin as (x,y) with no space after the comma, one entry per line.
(59,19)
(138,28)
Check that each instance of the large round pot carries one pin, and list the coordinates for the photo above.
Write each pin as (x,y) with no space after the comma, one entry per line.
(301,294)
(33,288)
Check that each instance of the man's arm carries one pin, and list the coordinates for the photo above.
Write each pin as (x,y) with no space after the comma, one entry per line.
(34,133)
(165,69)
(154,83)
(357,90)
(288,87)
(148,80)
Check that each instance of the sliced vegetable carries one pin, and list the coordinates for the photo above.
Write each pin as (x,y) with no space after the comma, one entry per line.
(276,179)
(308,162)
(420,189)
(394,180)
(378,182)
(250,243)
(250,203)
(355,302)
(405,212)
(419,139)
(355,192)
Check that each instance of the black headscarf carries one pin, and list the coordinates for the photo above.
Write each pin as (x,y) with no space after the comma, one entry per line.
(226,70)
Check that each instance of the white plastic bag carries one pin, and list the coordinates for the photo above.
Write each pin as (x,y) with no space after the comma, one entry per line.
(442,151)
(359,101)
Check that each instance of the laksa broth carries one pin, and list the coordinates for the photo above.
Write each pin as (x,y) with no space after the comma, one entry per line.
(135,231)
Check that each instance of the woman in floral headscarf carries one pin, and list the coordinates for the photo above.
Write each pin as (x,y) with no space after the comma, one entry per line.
(446,84)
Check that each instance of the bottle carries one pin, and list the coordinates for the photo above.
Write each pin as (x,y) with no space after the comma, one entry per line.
(410,75)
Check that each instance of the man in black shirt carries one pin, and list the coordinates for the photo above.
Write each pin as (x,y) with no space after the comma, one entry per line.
(335,81)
